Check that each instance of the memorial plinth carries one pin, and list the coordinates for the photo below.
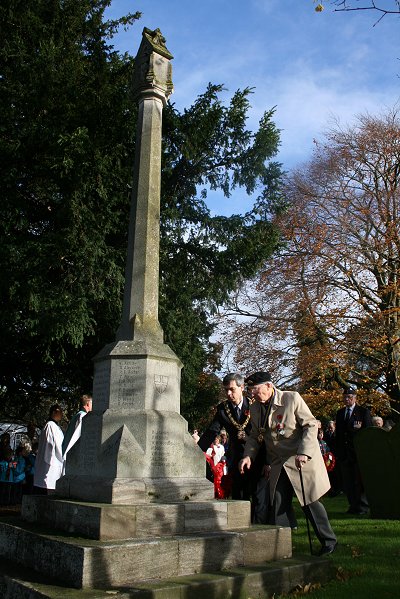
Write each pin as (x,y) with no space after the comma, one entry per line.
(135,446)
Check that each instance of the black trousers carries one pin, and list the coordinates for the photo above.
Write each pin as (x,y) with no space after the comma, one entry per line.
(241,483)
(260,504)
(261,512)
(281,511)
(353,486)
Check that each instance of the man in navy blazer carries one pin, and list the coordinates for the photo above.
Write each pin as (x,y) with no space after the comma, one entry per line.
(349,420)
(233,415)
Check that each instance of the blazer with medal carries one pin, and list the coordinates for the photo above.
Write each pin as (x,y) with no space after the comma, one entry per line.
(226,418)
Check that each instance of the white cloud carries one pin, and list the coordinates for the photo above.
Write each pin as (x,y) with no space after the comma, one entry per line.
(311,66)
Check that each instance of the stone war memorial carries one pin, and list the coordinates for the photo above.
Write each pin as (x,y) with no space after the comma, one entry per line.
(134,515)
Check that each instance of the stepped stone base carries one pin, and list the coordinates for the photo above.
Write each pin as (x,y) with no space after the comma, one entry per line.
(264,582)
(102,564)
(107,522)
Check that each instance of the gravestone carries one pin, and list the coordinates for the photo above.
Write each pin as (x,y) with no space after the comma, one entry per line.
(378,454)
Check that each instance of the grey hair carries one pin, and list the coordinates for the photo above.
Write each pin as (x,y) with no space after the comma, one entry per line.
(233,376)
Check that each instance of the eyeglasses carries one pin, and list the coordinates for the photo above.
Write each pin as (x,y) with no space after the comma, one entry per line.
(256,387)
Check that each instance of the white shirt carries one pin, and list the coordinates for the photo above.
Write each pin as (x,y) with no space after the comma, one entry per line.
(49,460)
(349,411)
(216,451)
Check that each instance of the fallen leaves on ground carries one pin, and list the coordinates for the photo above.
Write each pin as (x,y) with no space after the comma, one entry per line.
(305,589)
(342,575)
(356,552)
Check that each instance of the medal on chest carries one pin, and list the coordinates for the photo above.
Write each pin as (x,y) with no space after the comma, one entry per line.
(280,427)
(261,432)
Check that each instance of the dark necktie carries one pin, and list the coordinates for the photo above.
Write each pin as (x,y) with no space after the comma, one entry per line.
(238,412)
(264,411)
(347,415)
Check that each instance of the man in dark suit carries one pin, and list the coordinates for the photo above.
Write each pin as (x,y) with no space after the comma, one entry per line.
(349,420)
(233,415)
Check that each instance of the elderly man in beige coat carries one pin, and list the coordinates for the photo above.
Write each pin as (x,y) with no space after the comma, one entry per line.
(283,421)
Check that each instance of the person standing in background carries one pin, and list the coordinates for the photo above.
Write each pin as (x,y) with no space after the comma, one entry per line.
(349,420)
(49,459)
(74,430)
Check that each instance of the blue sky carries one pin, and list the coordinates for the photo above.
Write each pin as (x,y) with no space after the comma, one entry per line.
(314,67)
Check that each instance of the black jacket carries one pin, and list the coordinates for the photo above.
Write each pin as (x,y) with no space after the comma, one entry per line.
(222,420)
(346,431)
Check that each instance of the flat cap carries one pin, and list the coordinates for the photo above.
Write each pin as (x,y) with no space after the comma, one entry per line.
(258,378)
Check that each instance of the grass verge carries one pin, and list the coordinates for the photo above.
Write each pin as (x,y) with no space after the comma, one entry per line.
(367,557)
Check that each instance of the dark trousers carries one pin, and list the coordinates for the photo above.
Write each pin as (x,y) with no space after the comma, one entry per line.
(282,511)
(352,485)
(262,512)
(260,502)
(40,491)
(10,493)
(241,484)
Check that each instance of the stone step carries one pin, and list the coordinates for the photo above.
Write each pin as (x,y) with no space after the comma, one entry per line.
(86,563)
(262,582)
(114,522)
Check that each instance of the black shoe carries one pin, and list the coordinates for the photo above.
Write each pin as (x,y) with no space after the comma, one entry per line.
(359,512)
(327,549)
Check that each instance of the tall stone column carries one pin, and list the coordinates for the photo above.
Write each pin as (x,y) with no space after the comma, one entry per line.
(152,86)
(135,446)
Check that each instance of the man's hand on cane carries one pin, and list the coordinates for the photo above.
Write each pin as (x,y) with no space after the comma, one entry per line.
(300,461)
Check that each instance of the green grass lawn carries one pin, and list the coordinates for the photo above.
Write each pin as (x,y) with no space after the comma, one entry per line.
(367,557)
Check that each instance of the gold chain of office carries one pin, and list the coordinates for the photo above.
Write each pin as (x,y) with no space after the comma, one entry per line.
(238,425)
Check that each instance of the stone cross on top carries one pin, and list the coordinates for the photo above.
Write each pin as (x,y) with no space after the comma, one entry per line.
(152,87)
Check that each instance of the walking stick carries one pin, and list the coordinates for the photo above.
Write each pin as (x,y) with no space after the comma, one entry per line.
(305,511)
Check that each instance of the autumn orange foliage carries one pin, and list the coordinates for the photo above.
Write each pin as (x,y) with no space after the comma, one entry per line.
(326,309)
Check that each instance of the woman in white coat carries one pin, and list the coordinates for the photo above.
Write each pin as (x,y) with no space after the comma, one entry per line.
(49,460)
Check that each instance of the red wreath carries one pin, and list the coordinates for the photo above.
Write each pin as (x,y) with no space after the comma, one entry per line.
(329,460)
